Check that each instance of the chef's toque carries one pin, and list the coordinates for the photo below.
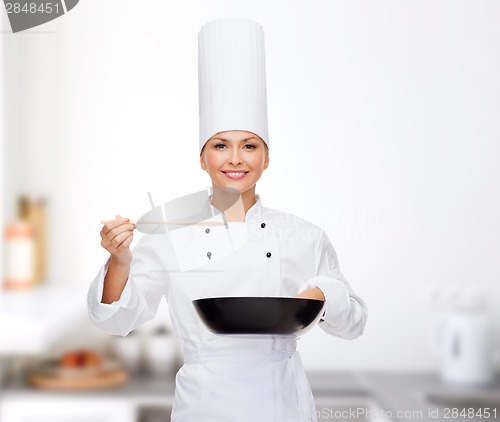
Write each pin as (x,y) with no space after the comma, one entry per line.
(232,78)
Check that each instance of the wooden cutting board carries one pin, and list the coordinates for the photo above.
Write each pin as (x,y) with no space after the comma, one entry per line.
(78,379)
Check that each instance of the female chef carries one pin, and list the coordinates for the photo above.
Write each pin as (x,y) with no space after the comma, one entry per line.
(228,378)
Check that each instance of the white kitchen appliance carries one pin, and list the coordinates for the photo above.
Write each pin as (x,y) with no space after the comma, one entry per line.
(463,339)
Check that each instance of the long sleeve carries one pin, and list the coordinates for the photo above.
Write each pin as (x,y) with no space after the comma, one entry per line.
(345,312)
(139,301)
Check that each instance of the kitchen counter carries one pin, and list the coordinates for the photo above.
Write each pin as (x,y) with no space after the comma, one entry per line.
(424,397)
(146,390)
(392,396)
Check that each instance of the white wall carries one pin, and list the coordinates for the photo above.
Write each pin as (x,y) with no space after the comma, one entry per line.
(383,116)
(2,141)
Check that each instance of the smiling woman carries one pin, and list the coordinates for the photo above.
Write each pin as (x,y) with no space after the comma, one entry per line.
(229,378)
(235,159)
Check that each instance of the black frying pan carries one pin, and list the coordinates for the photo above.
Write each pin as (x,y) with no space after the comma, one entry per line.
(259,315)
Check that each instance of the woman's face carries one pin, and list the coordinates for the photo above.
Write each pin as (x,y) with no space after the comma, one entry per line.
(235,159)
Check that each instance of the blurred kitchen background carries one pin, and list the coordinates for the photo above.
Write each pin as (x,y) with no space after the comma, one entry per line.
(383,122)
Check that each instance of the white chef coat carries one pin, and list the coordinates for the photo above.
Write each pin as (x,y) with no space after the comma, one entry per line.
(230,377)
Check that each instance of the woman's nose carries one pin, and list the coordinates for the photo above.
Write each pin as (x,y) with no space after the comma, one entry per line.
(235,156)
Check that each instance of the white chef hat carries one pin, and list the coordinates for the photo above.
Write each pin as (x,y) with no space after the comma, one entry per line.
(232,78)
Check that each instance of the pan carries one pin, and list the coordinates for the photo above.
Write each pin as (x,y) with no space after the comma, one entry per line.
(259,315)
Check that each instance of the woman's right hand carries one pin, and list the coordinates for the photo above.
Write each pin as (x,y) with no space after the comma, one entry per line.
(116,237)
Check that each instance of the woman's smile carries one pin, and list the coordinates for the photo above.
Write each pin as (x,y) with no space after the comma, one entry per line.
(235,175)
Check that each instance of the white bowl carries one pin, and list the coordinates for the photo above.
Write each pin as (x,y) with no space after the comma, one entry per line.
(129,351)
(161,353)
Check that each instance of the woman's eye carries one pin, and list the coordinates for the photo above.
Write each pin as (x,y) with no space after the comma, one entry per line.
(247,146)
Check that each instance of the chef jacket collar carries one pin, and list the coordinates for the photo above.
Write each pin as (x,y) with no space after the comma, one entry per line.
(254,213)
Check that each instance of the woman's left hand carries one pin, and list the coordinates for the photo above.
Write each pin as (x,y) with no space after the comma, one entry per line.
(314,293)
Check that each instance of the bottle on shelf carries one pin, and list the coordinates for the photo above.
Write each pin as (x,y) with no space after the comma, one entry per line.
(33,212)
(19,256)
